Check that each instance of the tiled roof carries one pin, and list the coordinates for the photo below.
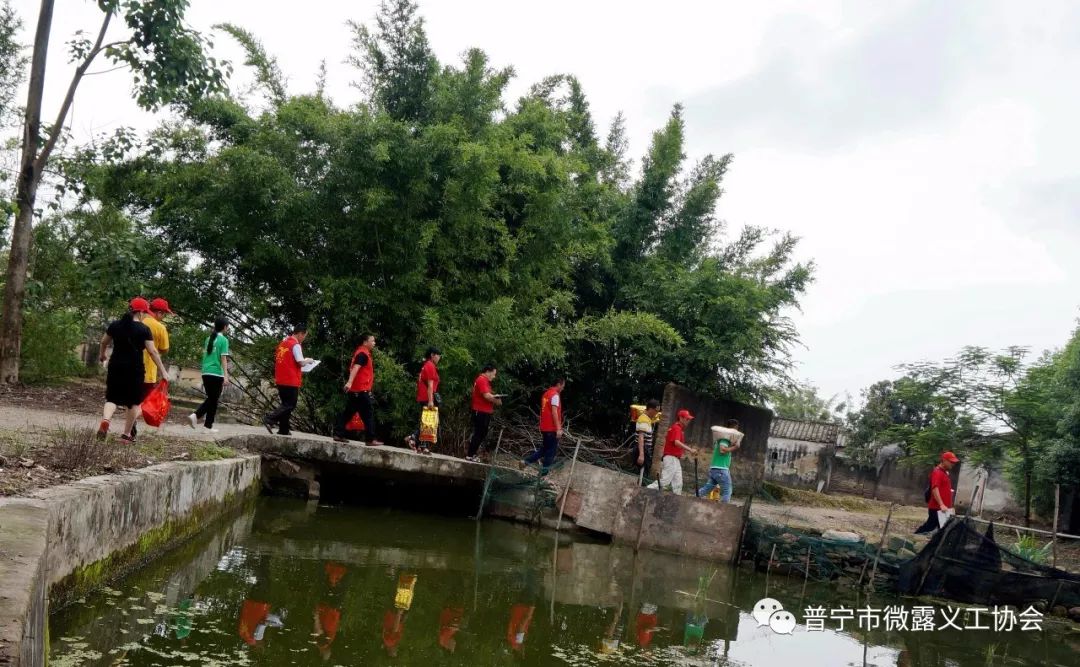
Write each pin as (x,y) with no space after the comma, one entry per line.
(793,429)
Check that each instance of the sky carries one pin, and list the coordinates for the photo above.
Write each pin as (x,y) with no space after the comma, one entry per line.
(923,151)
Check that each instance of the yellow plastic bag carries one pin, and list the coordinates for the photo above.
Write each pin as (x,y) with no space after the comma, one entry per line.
(429,425)
(405,585)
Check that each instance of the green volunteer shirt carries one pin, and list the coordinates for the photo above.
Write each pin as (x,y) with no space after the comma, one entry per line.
(721,459)
(211,362)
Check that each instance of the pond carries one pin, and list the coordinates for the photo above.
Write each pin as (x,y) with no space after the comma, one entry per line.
(294,583)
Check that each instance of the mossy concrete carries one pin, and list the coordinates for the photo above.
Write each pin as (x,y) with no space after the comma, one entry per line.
(71,539)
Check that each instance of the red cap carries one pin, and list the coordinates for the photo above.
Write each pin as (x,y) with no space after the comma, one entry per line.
(950,457)
(139,305)
(685,414)
(160,305)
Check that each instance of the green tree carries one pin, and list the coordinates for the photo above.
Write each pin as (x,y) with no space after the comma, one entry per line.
(802,402)
(168,65)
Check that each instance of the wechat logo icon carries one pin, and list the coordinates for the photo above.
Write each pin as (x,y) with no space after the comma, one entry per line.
(770,612)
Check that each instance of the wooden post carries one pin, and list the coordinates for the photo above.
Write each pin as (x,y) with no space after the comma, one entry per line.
(806,575)
(490,474)
(1053,538)
(942,534)
(742,533)
(569,481)
(768,569)
(880,546)
(971,503)
(641,526)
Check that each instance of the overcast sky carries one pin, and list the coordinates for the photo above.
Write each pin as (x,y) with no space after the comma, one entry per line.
(926,152)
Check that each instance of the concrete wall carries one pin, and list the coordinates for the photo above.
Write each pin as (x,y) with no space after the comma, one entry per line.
(678,524)
(995,492)
(747,464)
(798,463)
(70,539)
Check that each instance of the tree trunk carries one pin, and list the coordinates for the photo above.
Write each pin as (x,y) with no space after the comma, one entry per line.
(25,196)
(1027,498)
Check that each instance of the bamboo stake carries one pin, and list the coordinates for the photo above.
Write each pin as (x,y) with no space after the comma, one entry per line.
(569,481)
(880,546)
(1053,538)
(641,526)
(768,570)
(490,476)
(806,575)
(1026,529)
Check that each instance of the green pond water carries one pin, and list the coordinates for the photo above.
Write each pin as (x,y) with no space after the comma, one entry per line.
(290,583)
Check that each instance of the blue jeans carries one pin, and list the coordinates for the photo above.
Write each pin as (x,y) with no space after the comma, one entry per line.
(718,477)
(547,450)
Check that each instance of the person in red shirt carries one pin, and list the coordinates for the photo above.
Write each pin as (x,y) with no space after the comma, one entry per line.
(327,614)
(940,500)
(521,616)
(551,425)
(483,406)
(427,394)
(449,625)
(674,446)
(358,393)
(288,358)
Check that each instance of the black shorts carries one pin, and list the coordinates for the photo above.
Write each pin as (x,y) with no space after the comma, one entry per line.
(124,386)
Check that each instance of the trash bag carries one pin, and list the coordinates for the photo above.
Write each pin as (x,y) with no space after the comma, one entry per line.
(356,423)
(156,406)
(429,425)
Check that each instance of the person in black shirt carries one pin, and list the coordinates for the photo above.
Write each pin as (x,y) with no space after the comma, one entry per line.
(128,337)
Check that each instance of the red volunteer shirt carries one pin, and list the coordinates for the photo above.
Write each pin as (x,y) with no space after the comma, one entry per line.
(365,377)
(674,432)
(427,372)
(547,420)
(480,387)
(286,369)
(939,479)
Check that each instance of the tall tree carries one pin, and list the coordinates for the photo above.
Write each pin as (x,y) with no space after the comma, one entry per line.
(167,63)
(12,73)
(398,65)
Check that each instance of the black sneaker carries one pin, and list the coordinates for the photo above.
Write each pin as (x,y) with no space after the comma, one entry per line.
(268,425)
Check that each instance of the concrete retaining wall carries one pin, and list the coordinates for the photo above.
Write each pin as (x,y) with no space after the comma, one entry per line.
(65,541)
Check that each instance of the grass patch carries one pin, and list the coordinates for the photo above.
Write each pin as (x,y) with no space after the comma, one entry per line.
(789,496)
(14,445)
(211,451)
(81,449)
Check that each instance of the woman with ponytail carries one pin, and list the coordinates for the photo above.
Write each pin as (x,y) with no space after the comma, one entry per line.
(215,374)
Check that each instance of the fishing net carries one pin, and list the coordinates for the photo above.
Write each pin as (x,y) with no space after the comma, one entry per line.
(803,553)
(962,564)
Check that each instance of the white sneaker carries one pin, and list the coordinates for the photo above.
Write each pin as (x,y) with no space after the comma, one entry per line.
(212,430)
(193,419)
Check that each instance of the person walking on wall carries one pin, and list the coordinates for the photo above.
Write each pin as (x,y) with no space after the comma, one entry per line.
(674,446)
(644,427)
(551,427)
(727,439)
(215,375)
(483,406)
(939,499)
(427,395)
(358,399)
(288,360)
(125,374)
(159,308)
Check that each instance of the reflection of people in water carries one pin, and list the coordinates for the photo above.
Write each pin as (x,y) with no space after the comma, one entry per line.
(394,620)
(609,643)
(449,624)
(255,613)
(521,616)
(694,633)
(646,625)
(181,620)
(328,612)
(255,618)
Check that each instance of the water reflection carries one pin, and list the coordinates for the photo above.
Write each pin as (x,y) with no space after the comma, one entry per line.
(297,584)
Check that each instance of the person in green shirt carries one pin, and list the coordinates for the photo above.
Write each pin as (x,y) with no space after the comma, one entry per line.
(215,374)
(726,440)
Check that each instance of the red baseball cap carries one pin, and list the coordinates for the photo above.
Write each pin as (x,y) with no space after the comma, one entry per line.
(139,305)
(686,414)
(161,306)
(950,457)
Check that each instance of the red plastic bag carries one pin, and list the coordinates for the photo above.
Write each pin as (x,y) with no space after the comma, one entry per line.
(156,406)
(355,424)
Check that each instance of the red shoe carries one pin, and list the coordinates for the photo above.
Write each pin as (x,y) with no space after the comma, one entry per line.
(103,428)
(124,437)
